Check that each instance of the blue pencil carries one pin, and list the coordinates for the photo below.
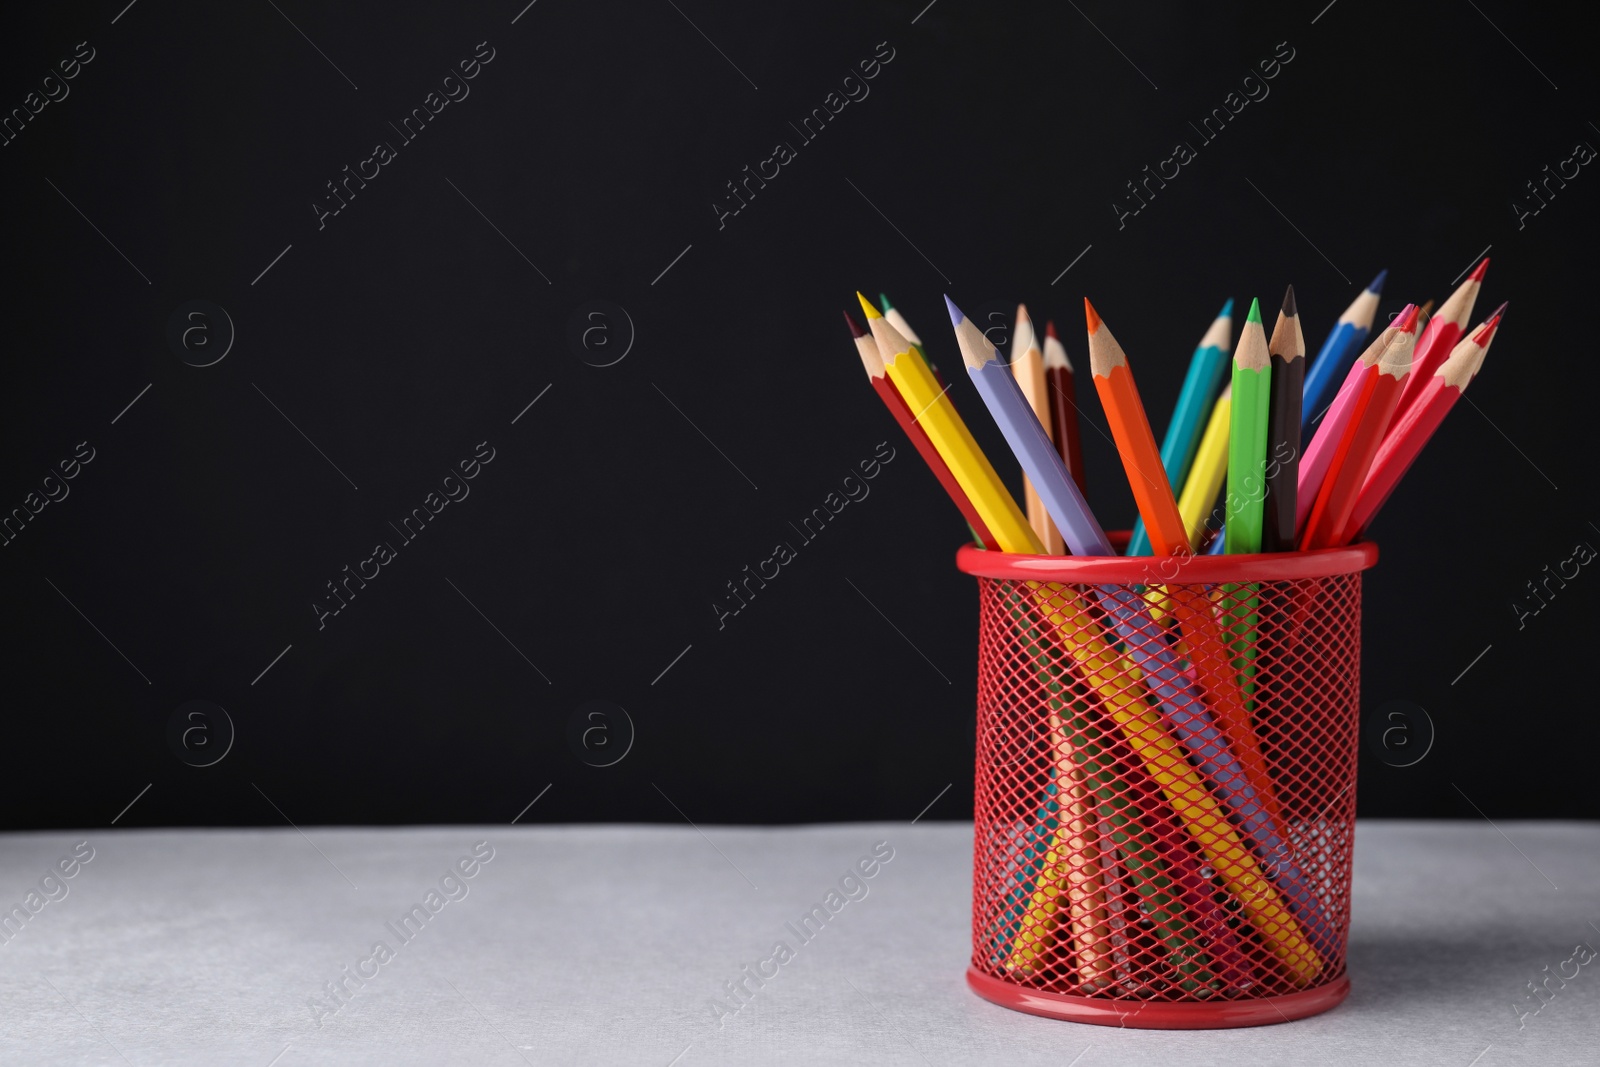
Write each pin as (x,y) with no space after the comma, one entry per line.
(1179,698)
(1189,414)
(1341,348)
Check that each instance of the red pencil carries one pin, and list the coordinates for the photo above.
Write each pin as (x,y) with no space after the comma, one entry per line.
(1373,411)
(867,348)
(1440,336)
(1063,404)
(1411,431)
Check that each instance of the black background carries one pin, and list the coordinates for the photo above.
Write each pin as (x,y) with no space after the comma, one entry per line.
(408,330)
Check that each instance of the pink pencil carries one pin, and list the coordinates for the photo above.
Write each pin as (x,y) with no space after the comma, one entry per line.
(1319,456)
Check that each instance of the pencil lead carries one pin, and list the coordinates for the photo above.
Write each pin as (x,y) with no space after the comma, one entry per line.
(1050,329)
(1376,287)
(1501,310)
(1255,312)
(1288,303)
(1477,275)
(866,306)
(1091,315)
(883,298)
(855,330)
(956,316)
(1406,321)
(1227,310)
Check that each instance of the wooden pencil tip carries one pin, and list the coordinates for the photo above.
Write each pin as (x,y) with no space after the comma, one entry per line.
(883,298)
(1477,275)
(1376,287)
(1288,303)
(1406,321)
(1255,312)
(956,317)
(1050,329)
(1090,315)
(866,306)
(855,330)
(1501,310)
(1227,310)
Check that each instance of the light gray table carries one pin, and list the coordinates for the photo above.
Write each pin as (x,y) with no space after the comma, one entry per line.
(581,945)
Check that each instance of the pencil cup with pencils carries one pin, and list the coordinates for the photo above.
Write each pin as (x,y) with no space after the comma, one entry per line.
(1166,770)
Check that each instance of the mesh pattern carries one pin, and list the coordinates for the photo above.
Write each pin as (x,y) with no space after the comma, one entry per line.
(1165,805)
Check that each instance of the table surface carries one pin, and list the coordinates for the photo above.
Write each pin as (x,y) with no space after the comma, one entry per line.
(612,944)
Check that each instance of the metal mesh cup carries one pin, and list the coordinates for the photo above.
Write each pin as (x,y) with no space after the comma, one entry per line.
(1165,791)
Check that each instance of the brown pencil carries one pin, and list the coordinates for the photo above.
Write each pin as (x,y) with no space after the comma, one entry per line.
(1063,404)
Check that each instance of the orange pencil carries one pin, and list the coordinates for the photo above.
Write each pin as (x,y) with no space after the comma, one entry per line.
(1130,429)
(1374,409)
(1202,635)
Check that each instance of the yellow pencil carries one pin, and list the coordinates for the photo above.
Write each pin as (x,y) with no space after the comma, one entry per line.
(1210,467)
(950,436)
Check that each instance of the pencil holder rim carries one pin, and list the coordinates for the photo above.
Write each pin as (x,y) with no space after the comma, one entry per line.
(1147,570)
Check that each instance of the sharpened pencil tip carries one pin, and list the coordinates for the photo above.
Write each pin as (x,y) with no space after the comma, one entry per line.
(1377,283)
(1255,312)
(1050,329)
(1501,310)
(956,318)
(1289,309)
(883,298)
(866,306)
(1227,310)
(1406,321)
(1090,315)
(1477,275)
(855,330)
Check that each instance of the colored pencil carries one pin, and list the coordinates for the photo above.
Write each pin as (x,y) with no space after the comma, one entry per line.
(1210,466)
(1027,367)
(1130,429)
(1064,403)
(1325,442)
(1413,429)
(1440,336)
(1202,639)
(1247,435)
(1195,399)
(1369,421)
(1339,350)
(867,348)
(1025,434)
(1288,352)
(898,321)
(950,437)
(1182,707)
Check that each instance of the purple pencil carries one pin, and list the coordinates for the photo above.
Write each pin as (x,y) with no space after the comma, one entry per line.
(1027,438)
(1319,454)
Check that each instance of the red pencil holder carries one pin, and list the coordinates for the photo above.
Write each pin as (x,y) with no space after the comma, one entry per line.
(1165,790)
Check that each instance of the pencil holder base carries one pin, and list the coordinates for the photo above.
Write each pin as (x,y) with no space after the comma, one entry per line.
(1160,1015)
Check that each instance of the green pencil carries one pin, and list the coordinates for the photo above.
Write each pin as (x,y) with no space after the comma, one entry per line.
(1247,435)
